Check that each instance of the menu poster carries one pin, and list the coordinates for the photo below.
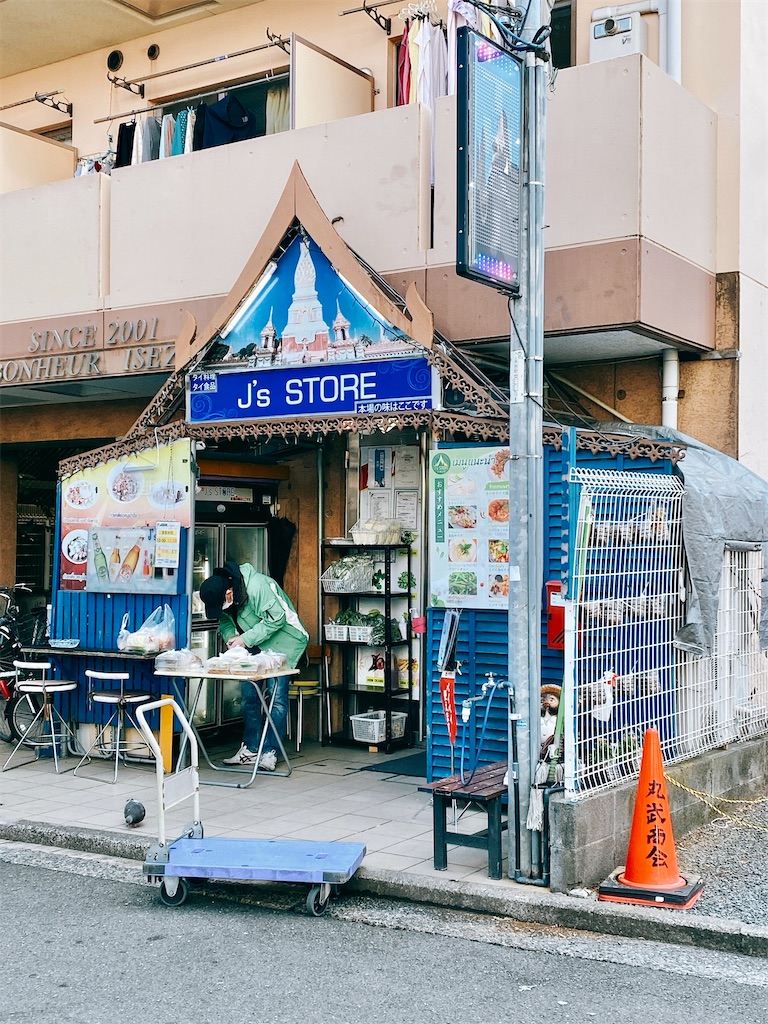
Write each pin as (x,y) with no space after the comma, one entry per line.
(469,527)
(122,497)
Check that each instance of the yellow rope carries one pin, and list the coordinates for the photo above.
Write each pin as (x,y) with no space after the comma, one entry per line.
(708,800)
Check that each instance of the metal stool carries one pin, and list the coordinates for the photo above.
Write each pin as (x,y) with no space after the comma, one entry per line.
(301,690)
(121,700)
(41,729)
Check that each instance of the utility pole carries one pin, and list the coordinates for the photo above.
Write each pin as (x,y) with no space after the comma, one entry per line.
(526,504)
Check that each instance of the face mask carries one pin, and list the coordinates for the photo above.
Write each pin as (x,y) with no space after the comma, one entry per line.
(227,604)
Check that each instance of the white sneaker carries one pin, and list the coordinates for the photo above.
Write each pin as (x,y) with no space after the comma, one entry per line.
(268,760)
(243,756)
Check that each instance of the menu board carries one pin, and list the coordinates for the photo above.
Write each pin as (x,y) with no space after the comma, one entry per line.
(109,520)
(469,528)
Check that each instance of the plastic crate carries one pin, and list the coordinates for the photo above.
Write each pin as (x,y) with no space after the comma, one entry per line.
(359,577)
(372,726)
(336,632)
(361,634)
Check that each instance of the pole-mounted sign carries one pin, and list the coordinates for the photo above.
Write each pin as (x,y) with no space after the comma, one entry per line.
(489,101)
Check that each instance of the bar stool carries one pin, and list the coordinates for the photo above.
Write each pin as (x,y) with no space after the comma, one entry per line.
(301,690)
(120,719)
(36,692)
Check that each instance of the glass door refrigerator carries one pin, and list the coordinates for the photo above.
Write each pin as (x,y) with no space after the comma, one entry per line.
(218,704)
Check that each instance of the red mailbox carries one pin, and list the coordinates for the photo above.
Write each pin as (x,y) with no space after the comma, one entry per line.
(555,615)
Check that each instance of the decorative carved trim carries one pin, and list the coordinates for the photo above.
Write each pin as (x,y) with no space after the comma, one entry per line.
(634,447)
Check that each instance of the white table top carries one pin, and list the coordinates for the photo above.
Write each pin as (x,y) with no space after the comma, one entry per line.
(201,673)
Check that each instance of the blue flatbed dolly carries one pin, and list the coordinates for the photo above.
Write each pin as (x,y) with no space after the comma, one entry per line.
(324,866)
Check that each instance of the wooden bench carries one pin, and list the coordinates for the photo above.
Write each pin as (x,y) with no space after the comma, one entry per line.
(486,788)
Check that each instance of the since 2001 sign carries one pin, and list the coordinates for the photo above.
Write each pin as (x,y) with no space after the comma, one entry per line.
(388,385)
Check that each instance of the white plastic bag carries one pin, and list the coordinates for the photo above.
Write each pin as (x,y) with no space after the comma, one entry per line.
(157,633)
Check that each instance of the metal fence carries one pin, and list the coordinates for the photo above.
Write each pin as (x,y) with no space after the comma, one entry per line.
(622,671)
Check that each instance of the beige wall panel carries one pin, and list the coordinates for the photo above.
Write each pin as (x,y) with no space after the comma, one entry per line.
(184,227)
(676,297)
(679,169)
(591,286)
(593,153)
(753,149)
(753,376)
(56,270)
(716,83)
(323,89)
(443,249)
(27,160)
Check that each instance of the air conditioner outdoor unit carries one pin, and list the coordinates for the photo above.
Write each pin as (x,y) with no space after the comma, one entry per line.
(617,37)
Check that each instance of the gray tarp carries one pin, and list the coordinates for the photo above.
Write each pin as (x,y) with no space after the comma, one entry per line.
(725,504)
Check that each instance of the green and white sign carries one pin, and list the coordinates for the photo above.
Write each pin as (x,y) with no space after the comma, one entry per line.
(469,527)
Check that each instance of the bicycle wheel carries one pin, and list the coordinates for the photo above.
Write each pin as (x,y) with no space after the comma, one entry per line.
(6,732)
(22,711)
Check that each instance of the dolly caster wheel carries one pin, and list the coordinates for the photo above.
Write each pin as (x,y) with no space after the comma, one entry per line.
(318,899)
(173,894)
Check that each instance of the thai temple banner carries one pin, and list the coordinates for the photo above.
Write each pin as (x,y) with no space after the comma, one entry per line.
(319,348)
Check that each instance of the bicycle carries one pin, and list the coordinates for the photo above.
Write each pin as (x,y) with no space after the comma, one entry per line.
(16,711)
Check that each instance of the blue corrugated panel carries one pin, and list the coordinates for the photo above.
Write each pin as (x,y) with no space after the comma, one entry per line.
(481,647)
(95,619)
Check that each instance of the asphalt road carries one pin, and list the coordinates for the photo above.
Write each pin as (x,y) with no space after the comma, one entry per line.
(86,941)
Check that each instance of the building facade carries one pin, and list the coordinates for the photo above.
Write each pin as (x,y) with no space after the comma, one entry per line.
(656,265)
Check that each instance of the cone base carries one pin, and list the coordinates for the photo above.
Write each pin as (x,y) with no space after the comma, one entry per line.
(676,899)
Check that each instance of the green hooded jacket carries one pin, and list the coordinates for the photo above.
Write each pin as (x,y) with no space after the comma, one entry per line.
(266,617)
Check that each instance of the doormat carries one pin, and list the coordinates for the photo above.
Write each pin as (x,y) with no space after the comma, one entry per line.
(414,764)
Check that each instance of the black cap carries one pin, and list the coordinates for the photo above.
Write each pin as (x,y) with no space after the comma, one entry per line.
(213,591)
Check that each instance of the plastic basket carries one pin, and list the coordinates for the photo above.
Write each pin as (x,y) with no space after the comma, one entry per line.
(382,531)
(359,577)
(372,726)
(361,634)
(334,632)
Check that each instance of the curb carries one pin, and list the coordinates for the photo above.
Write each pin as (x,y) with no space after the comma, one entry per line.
(534,906)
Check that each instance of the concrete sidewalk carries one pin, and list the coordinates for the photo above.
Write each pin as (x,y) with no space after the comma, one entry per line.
(332,796)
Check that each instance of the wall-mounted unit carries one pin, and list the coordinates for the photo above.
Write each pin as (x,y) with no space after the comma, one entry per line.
(618,37)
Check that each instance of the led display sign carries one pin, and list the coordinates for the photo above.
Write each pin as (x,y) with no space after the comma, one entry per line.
(489,99)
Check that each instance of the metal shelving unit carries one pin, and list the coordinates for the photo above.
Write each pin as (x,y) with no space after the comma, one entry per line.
(342,689)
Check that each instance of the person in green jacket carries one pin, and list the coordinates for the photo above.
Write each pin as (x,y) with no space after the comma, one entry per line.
(255,613)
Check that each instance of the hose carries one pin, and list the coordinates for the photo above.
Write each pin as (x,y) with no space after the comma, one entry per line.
(479,750)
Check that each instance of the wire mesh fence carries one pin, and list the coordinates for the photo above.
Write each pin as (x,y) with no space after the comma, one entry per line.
(623,671)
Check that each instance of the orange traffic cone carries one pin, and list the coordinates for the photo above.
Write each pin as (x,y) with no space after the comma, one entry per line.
(651,875)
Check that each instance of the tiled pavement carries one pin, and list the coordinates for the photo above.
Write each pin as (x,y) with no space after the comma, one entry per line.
(327,797)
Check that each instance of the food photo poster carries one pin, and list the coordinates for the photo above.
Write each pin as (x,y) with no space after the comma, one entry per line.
(111,517)
(469,520)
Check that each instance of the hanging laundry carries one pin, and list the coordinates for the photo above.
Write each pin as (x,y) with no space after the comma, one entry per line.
(167,128)
(125,133)
(150,138)
(136,145)
(227,121)
(461,14)
(190,136)
(179,133)
(403,68)
(278,112)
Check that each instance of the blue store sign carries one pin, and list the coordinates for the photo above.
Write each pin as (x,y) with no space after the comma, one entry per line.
(374,386)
